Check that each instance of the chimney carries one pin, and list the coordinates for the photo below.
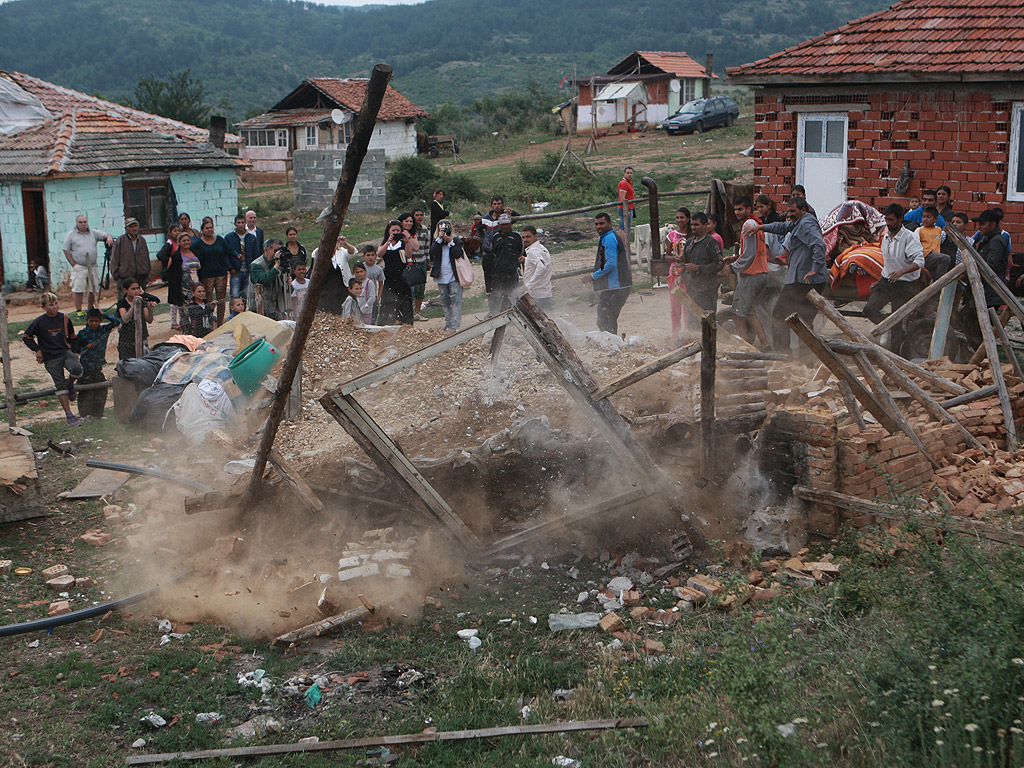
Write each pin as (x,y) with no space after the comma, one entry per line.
(218,127)
(709,68)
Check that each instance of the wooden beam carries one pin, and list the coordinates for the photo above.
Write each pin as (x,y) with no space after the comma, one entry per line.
(548,527)
(708,369)
(388,370)
(5,351)
(738,398)
(927,519)
(970,397)
(981,307)
(380,741)
(753,356)
(699,311)
(641,373)
(851,403)
(318,628)
(901,314)
(841,370)
(555,352)
(293,479)
(844,347)
(334,216)
(944,313)
(1012,302)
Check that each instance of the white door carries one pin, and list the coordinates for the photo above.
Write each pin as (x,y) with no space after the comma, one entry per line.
(821,159)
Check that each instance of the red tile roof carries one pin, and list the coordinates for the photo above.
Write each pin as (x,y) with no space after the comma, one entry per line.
(64,102)
(932,40)
(678,64)
(287,117)
(348,93)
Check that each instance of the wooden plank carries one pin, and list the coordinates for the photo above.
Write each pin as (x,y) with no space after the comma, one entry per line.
(379,741)
(845,347)
(851,404)
(19,480)
(1005,341)
(739,423)
(753,356)
(5,351)
(294,480)
(978,291)
(548,527)
(555,352)
(927,519)
(97,484)
(874,380)
(970,397)
(140,320)
(318,628)
(739,398)
(947,303)
(918,301)
(1012,302)
(841,370)
(148,472)
(425,353)
(395,464)
(641,373)
(698,311)
(708,369)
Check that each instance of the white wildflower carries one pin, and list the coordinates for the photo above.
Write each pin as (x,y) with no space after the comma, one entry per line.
(971,727)
(1018,661)
(938,703)
(939,742)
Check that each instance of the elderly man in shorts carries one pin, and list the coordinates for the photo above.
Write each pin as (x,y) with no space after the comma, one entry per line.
(750,263)
(80,251)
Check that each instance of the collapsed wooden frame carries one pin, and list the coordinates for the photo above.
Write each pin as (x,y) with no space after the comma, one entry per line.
(558,355)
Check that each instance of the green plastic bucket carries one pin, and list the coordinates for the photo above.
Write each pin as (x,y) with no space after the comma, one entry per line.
(252,364)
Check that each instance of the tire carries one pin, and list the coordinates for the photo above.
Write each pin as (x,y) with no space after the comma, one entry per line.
(433,151)
(698,127)
(729,120)
(670,133)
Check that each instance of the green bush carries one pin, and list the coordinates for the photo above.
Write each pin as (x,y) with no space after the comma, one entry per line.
(413,179)
(572,187)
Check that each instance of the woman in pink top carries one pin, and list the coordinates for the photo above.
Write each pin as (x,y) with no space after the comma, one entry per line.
(677,239)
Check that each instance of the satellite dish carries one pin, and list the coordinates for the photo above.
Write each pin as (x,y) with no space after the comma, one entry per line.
(338,117)
(673,86)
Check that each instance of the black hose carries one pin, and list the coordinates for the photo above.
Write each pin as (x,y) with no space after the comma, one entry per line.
(86,613)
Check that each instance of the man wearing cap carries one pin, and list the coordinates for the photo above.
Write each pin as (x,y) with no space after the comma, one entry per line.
(993,249)
(506,248)
(904,258)
(129,257)
(80,250)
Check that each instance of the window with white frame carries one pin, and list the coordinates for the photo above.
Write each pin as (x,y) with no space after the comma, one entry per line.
(312,135)
(282,138)
(1015,179)
(689,90)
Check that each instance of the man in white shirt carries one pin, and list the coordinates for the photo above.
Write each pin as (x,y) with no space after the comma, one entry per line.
(253,229)
(80,251)
(537,269)
(904,258)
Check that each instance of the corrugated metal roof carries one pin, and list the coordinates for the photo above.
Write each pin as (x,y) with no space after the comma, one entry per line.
(615,91)
(914,39)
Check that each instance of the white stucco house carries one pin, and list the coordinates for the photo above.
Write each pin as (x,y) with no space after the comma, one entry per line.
(320,114)
(65,153)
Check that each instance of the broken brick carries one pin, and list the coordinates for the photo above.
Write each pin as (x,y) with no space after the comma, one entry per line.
(639,612)
(61,583)
(707,585)
(611,622)
(58,608)
(96,538)
(653,646)
(54,571)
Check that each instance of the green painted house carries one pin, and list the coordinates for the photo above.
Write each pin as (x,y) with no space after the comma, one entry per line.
(64,153)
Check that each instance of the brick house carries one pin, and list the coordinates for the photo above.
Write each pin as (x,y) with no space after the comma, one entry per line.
(930,86)
(65,153)
(320,114)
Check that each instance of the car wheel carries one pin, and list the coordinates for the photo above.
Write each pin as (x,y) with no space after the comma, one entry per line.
(730,120)
(699,127)
(434,151)
(670,133)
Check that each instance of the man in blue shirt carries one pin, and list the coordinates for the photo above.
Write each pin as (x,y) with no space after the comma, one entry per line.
(913,218)
(245,247)
(611,277)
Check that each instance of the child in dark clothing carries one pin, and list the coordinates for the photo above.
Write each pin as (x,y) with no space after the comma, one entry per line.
(52,337)
(199,314)
(92,341)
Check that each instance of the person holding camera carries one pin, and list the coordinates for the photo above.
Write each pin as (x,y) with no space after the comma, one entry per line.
(396,302)
(132,290)
(444,250)
(266,271)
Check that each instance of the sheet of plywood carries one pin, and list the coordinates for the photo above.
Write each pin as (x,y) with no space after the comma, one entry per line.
(17,461)
(98,483)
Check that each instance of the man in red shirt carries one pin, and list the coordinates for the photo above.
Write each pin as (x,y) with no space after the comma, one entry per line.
(626,198)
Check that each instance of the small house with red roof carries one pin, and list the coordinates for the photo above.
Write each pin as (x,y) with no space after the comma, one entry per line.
(64,153)
(642,90)
(320,114)
(925,93)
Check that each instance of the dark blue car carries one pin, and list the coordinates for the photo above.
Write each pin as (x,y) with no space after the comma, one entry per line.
(699,115)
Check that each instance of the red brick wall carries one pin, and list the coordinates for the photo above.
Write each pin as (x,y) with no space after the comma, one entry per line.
(949,137)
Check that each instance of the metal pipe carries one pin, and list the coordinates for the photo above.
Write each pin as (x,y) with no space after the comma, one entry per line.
(599,206)
(25,397)
(146,471)
(86,613)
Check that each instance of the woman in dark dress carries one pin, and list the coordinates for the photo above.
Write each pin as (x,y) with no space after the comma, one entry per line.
(216,260)
(170,262)
(185,222)
(292,252)
(132,289)
(396,303)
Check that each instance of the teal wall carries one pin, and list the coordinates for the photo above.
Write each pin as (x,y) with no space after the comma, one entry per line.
(200,193)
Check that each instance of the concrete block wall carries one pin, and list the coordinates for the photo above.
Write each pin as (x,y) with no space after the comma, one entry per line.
(954,136)
(12,232)
(98,197)
(316,173)
(212,192)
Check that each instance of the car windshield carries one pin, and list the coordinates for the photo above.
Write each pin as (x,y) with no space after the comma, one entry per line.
(692,108)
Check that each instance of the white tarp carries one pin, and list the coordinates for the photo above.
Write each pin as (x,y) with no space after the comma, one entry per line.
(616,91)
(19,109)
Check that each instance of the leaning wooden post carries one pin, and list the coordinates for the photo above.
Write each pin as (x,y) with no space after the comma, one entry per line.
(139,320)
(708,360)
(5,350)
(1011,356)
(335,217)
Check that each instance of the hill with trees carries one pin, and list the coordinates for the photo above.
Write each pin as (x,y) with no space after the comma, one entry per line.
(249,53)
